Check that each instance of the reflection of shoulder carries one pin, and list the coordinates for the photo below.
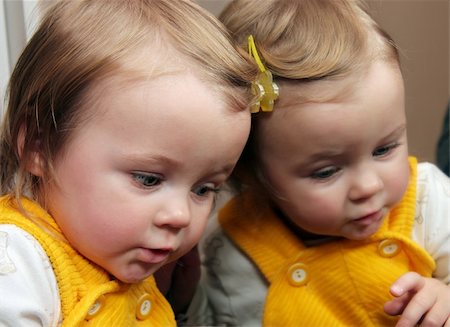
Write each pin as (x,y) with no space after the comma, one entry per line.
(432,207)
(433,194)
(432,227)
(433,186)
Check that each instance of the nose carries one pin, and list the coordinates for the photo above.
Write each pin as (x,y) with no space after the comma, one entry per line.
(174,213)
(366,183)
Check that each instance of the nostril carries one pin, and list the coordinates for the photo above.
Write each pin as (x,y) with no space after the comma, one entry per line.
(173,218)
(365,189)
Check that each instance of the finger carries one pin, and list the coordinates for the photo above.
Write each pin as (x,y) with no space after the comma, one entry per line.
(409,282)
(447,322)
(419,305)
(438,315)
(396,306)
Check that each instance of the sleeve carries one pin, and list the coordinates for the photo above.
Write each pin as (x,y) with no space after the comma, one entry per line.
(28,287)
(199,312)
(432,222)
(231,291)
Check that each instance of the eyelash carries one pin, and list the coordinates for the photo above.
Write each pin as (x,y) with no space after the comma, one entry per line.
(328,172)
(208,189)
(155,180)
(325,173)
(386,148)
(142,179)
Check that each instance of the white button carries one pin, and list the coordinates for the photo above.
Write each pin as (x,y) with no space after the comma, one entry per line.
(95,308)
(144,307)
(388,248)
(297,274)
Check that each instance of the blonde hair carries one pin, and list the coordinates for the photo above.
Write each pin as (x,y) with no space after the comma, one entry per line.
(77,44)
(305,43)
(309,39)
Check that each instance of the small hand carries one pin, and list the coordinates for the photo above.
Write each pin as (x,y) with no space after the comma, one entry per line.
(178,280)
(420,301)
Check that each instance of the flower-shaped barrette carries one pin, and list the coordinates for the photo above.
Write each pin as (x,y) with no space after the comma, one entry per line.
(265,90)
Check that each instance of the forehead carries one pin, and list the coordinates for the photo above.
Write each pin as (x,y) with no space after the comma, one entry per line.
(175,116)
(163,93)
(306,111)
(150,67)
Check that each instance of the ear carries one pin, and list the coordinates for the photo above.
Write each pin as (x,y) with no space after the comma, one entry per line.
(34,164)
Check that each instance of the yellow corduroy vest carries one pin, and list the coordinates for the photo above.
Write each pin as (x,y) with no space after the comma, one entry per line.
(340,283)
(88,295)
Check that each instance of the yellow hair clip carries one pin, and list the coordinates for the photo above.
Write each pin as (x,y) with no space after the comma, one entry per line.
(265,90)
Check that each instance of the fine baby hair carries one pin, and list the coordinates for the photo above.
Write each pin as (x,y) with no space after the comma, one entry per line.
(116,138)
(332,222)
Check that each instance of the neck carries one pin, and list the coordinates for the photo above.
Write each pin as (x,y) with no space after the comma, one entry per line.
(308,238)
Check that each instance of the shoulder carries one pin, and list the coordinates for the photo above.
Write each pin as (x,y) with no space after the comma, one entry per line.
(233,284)
(432,227)
(433,189)
(428,170)
(215,246)
(220,252)
(27,281)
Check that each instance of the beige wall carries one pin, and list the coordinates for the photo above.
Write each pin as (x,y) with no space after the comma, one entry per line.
(421,29)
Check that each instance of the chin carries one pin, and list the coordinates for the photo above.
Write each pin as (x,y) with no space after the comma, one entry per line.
(135,275)
(134,279)
(361,235)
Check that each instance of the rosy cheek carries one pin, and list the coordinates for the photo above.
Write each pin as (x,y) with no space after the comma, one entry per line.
(198,233)
(193,234)
(399,184)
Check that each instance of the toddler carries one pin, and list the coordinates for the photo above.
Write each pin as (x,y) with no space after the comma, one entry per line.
(115,140)
(334,224)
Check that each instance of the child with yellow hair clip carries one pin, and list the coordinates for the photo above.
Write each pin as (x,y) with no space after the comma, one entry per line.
(333,224)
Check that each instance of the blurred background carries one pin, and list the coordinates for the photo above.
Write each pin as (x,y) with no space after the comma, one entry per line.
(420,27)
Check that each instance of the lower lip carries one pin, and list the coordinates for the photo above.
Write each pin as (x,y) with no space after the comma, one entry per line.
(152,255)
(369,219)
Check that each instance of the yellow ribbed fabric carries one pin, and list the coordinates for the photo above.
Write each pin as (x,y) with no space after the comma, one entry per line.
(82,284)
(340,283)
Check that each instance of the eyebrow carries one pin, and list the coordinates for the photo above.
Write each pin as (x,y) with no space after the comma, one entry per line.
(329,154)
(172,163)
(396,132)
(332,154)
(227,169)
(147,159)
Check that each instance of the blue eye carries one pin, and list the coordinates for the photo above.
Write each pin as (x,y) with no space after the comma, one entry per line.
(384,150)
(204,190)
(147,180)
(324,173)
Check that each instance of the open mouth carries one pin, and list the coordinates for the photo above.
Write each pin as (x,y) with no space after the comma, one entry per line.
(369,219)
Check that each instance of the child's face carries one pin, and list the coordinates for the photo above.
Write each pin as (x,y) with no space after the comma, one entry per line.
(337,167)
(136,180)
